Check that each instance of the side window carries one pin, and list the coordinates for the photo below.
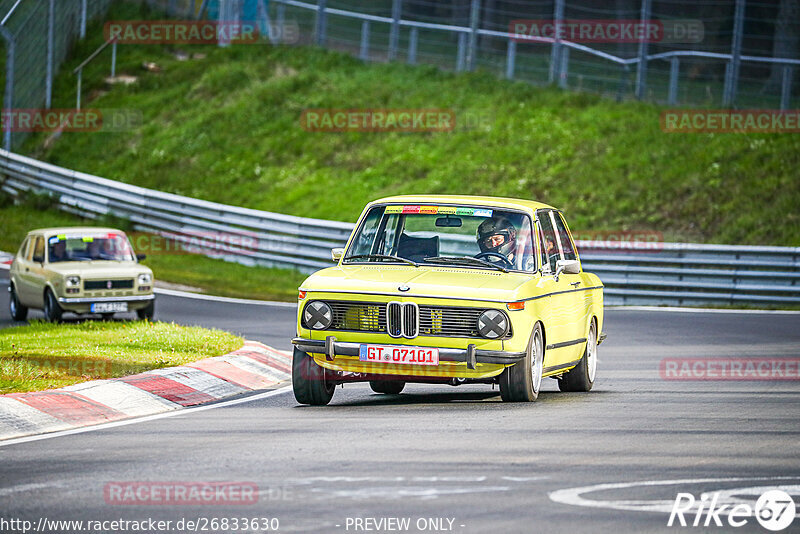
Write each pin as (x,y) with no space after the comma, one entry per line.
(550,249)
(38,248)
(23,249)
(366,237)
(567,247)
(527,250)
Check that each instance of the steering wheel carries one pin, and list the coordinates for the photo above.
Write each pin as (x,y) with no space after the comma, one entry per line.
(507,264)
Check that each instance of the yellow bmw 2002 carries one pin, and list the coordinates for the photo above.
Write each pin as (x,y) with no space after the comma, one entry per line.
(450,289)
(81,270)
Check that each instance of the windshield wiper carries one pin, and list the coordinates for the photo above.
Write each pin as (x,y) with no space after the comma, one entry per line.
(381,257)
(465,260)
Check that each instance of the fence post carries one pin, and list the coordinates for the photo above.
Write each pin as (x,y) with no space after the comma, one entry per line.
(83,18)
(321,22)
(563,70)
(786,87)
(80,84)
(114,60)
(674,72)
(462,45)
(51,18)
(474,23)
(641,72)
(8,98)
(364,53)
(555,50)
(511,58)
(394,31)
(732,74)
(413,37)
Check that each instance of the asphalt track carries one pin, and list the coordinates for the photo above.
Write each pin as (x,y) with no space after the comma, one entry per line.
(454,453)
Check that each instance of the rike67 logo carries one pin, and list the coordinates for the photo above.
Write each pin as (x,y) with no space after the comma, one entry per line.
(774,510)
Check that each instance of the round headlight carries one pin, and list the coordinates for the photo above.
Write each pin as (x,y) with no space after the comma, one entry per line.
(318,315)
(145,278)
(73,281)
(493,324)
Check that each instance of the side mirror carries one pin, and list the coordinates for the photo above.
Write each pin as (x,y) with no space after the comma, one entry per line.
(38,259)
(141,257)
(567,266)
(336,254)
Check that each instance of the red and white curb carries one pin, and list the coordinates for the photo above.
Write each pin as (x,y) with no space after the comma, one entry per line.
(255,366)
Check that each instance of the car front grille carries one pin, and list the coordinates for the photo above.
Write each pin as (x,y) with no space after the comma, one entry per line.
(90,285)
(406,319)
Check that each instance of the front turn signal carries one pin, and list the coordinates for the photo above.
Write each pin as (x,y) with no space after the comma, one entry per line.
(301,295)
(514,306)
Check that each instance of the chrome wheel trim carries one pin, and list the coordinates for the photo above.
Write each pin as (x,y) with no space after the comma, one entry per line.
(12,303)
(537,357)
(591,353)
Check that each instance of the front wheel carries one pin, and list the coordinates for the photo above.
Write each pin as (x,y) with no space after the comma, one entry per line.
(52,311)
(388,387)
(581,377)
(521,382)
(147,313)
(309,380)
(18,311)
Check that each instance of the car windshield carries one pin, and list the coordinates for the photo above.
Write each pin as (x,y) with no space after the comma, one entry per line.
(88,247)
(467,236)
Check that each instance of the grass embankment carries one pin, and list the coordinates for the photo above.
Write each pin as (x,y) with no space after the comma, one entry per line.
(225,126)
(46,356)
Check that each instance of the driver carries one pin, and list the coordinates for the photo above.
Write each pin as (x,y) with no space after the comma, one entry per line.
(498,235)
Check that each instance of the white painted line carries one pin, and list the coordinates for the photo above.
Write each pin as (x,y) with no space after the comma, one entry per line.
(185,411)
(699,310)
(200,296)
(123,397)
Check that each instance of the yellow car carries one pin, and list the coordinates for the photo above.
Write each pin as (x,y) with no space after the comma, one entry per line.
(454,290)
(81,270)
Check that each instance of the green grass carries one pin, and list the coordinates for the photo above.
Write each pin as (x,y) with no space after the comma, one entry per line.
(226,128)
(211,276)
(46,356)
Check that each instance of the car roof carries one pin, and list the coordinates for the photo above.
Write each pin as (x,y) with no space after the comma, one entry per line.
(73,230)
(495,202)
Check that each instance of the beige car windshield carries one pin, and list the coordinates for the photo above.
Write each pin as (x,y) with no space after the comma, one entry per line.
(89,247)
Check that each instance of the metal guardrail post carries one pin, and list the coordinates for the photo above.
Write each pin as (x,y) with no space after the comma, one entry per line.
(786,87)
(563,70)
(321,25)
(462,45)
(114,60)
(555,50)
(83,18)
(641,72)
(732,73)
(511,59)
(364,52)
(674,72)
(51,17)
(474,23)
(8,97)
(623,82)
(80,83)
(394,31)
(413,37)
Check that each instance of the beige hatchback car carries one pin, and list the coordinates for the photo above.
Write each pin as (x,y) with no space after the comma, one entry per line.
(82,270)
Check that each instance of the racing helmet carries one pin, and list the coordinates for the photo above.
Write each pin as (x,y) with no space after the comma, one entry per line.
(497,226)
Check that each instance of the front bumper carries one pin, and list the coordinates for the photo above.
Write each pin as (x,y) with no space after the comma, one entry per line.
(92,300)
(330,347)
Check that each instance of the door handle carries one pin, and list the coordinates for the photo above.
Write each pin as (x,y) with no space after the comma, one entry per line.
(575,284)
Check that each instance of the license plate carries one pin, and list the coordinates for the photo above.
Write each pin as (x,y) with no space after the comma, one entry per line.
(107,307)
(395,354)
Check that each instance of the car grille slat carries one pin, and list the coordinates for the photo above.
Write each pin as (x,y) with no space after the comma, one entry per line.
(90,285)
(423,320)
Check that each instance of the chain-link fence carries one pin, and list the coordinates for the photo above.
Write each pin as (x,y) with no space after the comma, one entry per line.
(725,58)
(36,37)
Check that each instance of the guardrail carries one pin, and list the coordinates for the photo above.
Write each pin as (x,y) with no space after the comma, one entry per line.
(633,272)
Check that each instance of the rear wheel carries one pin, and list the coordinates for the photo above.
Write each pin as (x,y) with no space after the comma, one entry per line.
(147,313)
(52,311)
(581,377)
(18,311)
(389,387)
(521,382)
(309,380)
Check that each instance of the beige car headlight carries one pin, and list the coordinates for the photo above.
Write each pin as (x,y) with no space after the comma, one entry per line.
(72,281)
(145,279)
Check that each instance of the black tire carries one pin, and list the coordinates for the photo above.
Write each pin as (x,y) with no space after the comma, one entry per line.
(521,382)
(107,316)
(389,387)
(147,313)
(309,381)
(52,311)
(582,376)
(18,311)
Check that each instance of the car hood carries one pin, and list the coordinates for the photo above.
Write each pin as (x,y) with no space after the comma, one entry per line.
(94,270)
(444,282)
